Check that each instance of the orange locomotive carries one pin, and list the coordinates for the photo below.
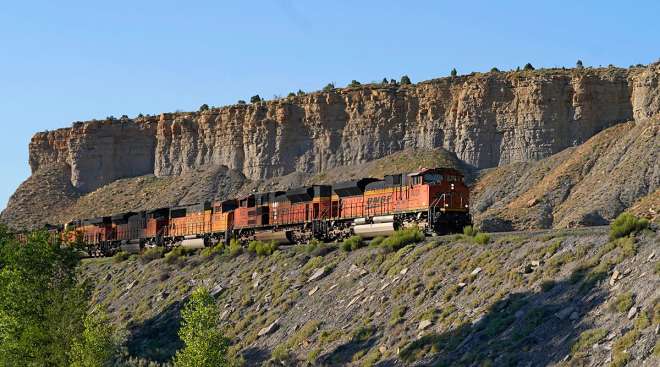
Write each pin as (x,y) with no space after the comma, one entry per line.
(436,200)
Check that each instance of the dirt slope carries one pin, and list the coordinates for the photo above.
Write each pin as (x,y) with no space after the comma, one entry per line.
(586,185)
(520,300)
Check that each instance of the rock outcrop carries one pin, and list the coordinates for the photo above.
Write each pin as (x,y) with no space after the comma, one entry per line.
(486,119)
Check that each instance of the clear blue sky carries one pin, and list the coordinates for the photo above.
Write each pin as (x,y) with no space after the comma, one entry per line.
(62,61)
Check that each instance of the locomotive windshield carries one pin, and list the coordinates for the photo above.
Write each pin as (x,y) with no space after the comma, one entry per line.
(432,178)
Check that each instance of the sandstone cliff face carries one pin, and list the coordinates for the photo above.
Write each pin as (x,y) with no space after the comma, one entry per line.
(97,152)
(486,119)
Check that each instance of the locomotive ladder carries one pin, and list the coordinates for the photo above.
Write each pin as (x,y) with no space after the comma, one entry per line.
(433,209)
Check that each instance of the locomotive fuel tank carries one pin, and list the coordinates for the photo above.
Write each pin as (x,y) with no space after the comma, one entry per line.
(374,230)
(279,237)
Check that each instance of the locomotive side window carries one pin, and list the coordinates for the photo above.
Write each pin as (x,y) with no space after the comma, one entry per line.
(433,178)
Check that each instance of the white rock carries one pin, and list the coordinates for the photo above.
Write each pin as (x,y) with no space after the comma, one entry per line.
(255,275)
(651,256)
(632,312)
(382,349)
(424,324)
(318,274)
(384,286)
(255,284)
(269,329)
(216,290)
(403,271)
(358,291)
(476,271)
(611,335)
(536,263)
(333,287)
(224,314)
(352,301)
(462,285)
(131,285)
(313,290)
(614,277)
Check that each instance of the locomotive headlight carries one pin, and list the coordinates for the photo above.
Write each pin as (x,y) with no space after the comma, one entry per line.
(466,206)
(452,186)
(446,205)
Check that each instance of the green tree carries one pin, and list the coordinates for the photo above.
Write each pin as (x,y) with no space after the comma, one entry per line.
(528,67)
(354,83)
(579,65)
(384,82)
(204,107)
(300,92)
(98,344)
(255,98)
(42,305)
(204,343)
(454,72)
(405,80)
(291,95)
(328,87)
(494,70)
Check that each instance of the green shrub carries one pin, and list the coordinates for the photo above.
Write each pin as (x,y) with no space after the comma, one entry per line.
(255,99)
(397,314)
(213,251)
(587,339)
(262,248)
(454,72)
(120,256)
(528,67)
(352,243)
(204,107)
(151,254)
(354,83)
(626,224)
(235,247)
(329,87)
(494,70)
(622,302)
(177,253)
(470,231)
(482,238)
(317,248)
(402,238)
(376,241)
(405,80)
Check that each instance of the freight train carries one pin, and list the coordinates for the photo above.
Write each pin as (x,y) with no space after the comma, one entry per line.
(436,200)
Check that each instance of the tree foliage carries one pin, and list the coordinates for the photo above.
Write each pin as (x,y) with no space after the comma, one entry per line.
(579,65)
(528,67)
(204,343)
(255,98)
(454,72)
(329,87)
(354,83)
(405,80)
(204,107)
(42,305)
(98,344)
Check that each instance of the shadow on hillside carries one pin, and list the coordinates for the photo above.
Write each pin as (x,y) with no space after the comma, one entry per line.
(156,339)
(344,353)
(524,329)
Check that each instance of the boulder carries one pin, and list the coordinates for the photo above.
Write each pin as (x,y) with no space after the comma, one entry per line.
(424,324)
(269,329)
(318,274)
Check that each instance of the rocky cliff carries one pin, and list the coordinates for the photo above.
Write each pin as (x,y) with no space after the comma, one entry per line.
(486,119)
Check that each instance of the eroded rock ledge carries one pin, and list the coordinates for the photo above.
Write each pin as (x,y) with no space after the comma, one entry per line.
(486,119)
